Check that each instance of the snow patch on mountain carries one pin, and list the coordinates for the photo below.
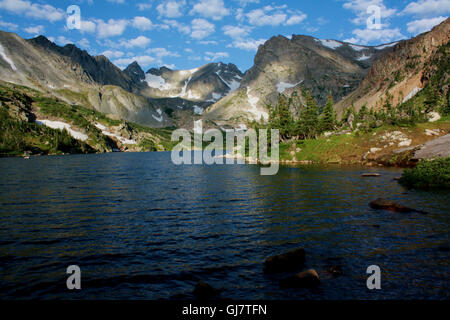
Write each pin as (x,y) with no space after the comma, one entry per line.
(110,134)
(364,57)
(233,84)
(7,59)
(332,44)
(386,46)
(157,82)
(216,96)
(253,101)
(198,110)
(356,47)
(61,126)
(412,94)
(282,86)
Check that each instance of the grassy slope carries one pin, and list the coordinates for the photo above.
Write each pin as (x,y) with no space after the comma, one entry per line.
(350,149)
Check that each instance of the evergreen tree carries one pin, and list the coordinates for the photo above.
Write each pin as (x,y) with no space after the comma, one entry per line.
(328,119)
(281,118)
(307,125)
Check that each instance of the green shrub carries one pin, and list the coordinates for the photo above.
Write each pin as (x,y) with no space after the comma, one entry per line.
(428,175)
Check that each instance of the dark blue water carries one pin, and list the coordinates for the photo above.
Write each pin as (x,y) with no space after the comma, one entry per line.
(140,227)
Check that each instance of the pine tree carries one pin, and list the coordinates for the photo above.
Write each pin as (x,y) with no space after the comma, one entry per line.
(308,124)
(281,118)
(328,119)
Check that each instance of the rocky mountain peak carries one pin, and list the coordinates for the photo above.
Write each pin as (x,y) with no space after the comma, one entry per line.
(135,72)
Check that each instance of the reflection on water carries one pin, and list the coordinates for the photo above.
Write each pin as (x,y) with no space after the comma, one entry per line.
(142,228)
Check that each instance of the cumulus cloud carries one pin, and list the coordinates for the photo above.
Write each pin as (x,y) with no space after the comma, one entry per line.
(162,53)
(214,56)
(248,44)
(35,30)
(171,9)
(181,27)
(236,32)
(142,23)
(366,36)
(140,42)
(245,3)
(214,9)
(33,10)
(8,25)
(113,54)
(424,25)
(63,40)
(275,16)
(88,26)
(427,7)
(144,6)
(84,43)
(111,28)
(359,7)
(201,28)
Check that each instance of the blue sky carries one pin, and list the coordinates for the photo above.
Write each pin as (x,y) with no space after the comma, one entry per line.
(184,34)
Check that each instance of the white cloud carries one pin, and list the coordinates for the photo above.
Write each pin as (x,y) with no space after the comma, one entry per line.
(296,19)
(182,28)
(88,26)
(245,3)
(214,9)
(366,36)
(111,28)
(214,56)
(428,7)
(8,25)
(140,42)
(209,42)
(424,25)
(113,54)
(84,43)
(162,52)
(144,6)
(171,9)
(275,16)
(259,17)
(236,32)
(201,29)
(143,61)
(63,40)
(142,23)
(248,44)
(33,10)
(359,7)
(36,30)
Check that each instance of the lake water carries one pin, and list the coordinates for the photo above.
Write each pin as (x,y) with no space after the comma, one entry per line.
(140,227)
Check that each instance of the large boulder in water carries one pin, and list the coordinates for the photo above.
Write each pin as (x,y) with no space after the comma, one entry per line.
(305,279)
(290,261)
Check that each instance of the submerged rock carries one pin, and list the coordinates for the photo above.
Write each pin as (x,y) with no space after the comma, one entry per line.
(370,175)
(203,290)
(290,261)
(335,270)
(304,279)
(383,204)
